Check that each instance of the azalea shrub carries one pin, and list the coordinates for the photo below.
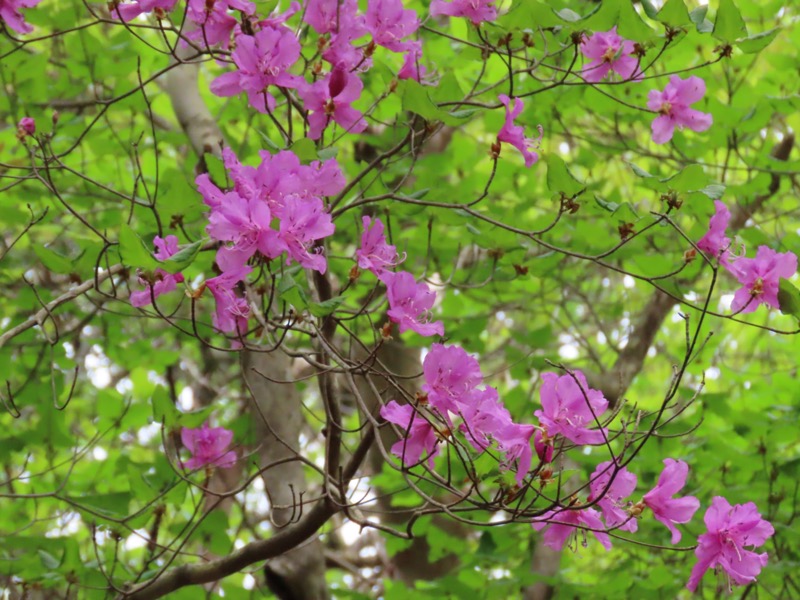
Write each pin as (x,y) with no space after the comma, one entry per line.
(338,298)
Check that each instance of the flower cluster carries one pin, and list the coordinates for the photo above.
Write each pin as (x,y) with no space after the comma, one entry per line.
(163,282)
(273,209)
(759,277)
(208,446)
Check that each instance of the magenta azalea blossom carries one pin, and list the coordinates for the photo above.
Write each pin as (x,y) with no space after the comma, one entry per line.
(543,451)
(660,499)
(375,254)
(262,60)
(389,23)
(515,134)
(514,440)
(410,303)
(232,310)
(27,125)
(564,523)
(760,278)
(303,221)
(715,243)
(215,23)
(329,99)
(476,11)
(450,377)
(164,282)
(730,529)
(569,409)
(209,447)
(334,16)
(610,502)
(11,16)
(411,68)
(129,11)
(245,223)
(419,435)
(672,105)
(609,52)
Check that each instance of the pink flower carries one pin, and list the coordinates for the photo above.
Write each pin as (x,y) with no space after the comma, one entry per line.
(261,60)
(329,99)
(609,52)
(232,310)
(389,23)
(215,24)
(209,447)
(476,11)
(660,499)
(303,221)
(375,254)
(730,529)
(411,68)
(10,14)
(610,502)
(514,439)
(128,12)
(245,223)
(333,16)
(543,451)
(564,523)
(410,303)
(515,134)
(673,107)
(164,282)
(760,277)
(27,125)
(420,436)
(568,409)
(450,377)
(715,243)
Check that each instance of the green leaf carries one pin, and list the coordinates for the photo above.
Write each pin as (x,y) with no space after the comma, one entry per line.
(415,98)
(182,258)
(216,169)
(756,43)
(609,206)
(698,17)
(649,9)
(323,309)
(714,191)
(134,251)
(640,171)
(54,261)
(328,153)
(729,24)
(789,298)
(674,14)
(305,149)
(559,178)
(566,14)
(289,291)
(49,561)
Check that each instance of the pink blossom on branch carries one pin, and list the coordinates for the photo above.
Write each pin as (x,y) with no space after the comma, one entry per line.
(215,23)
(303,221)
(760,278)
(410,303)
(419,435)
(375,254)
(232,311)
(411,68)
(262,60)
(565,523)
(569,409)
(26,126)
(476,11)
(515,134)
(660,499)
(329,99)
(334,16)
(451,375)
(129,11)
(672,106)
(208,446)
(164,282)
(389,23)
(609,52)
(11,15)
(730,529)
(715,243)
(612,494)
